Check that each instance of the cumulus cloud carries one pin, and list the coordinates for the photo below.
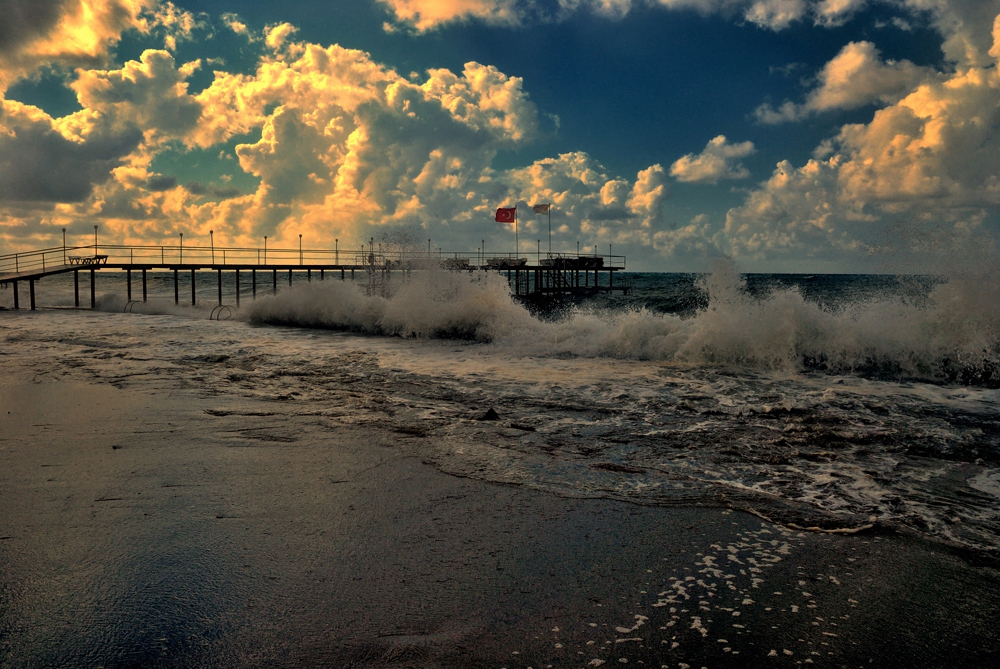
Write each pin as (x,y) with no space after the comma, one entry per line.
(716,162)
(857,76)
(71,32)
(428,14)
(933,156)
(423,15)
(586,197)
(345,146)
(150,94)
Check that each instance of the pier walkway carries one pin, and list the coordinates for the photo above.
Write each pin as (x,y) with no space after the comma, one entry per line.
(535,277)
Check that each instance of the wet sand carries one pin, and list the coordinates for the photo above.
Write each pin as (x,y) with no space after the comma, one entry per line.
(167,529)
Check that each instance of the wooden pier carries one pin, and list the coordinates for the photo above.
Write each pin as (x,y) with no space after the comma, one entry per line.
(537,278)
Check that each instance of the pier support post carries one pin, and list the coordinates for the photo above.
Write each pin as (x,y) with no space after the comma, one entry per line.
(128,281)
(31,292)
(253,282)
(17,304)
(274,278)
(93,290)
(177,293)
(289,278)
(219,271)
(237,289)
(321,277)
(143,284)
(192,288)
(76,288)
(309,275)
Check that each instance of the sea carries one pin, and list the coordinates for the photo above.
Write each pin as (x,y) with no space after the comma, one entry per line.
(831,403)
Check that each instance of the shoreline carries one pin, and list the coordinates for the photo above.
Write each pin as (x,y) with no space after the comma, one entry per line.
(163,529)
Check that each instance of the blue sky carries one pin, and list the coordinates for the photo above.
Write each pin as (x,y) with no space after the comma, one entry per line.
(790,135)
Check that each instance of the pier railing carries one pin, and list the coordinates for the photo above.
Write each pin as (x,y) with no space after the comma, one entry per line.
(182,255)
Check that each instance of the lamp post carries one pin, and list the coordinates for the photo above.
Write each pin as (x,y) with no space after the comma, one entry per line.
(336,251)
(181,262)
(211,237)
(95,240)
(64,246)
(300,248)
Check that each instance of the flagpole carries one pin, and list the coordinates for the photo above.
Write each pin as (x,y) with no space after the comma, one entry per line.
(517,250)
(548,211)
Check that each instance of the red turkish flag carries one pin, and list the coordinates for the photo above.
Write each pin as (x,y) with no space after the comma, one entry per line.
(506,214)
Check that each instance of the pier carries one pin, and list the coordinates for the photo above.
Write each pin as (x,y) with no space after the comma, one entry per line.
(539,278)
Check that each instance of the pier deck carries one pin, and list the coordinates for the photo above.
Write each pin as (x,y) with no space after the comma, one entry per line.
(536,277)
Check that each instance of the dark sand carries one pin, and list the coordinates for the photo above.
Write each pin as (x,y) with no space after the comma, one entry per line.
(140,531)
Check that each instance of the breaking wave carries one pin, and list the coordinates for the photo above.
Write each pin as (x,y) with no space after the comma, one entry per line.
(952,336)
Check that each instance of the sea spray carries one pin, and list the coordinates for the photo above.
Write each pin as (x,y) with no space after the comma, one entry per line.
(431,304)
(952,334)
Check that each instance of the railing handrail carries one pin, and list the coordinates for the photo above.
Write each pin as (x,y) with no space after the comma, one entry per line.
(169,254)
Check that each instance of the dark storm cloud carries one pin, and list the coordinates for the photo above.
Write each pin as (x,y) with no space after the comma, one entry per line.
(22,21)
(40,165)
(161,183)
(196,188)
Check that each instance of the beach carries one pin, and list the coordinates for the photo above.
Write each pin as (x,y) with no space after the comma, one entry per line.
(175,524)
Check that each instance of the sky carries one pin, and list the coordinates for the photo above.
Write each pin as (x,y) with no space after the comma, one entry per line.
(789,135)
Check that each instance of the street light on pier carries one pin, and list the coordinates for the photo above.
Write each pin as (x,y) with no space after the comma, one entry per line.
(95,240)
(265,249)
(336,251)
(181,262)
(300,248)
(64,246)
(211,237)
